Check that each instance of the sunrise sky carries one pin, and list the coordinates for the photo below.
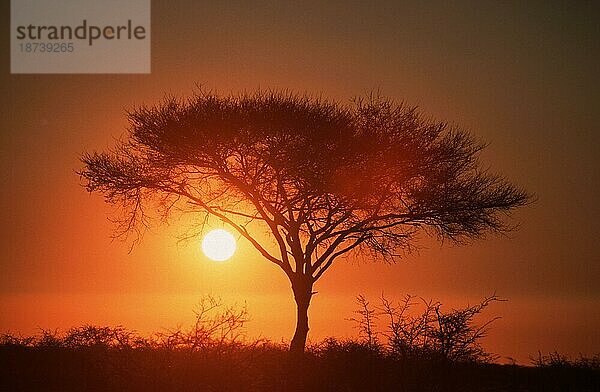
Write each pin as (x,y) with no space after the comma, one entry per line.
(521,77)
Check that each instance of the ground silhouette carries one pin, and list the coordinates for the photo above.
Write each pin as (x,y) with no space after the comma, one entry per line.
(207,357)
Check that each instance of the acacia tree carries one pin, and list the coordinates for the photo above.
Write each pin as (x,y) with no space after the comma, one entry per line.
(324,178)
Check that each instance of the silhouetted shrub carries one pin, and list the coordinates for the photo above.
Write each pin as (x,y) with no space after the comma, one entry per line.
(216,326)
(94,336)
(429,333)
(558,360)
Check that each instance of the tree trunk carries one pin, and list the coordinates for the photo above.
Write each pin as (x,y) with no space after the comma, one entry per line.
(302,295)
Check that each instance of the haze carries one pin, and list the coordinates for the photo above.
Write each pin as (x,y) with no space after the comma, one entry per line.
(521,77)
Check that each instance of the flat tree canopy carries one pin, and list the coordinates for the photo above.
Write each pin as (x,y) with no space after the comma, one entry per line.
(324,178)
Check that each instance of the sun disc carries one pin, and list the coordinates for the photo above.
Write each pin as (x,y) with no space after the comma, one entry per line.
(218,245)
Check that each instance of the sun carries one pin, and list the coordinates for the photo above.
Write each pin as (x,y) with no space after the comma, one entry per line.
(218,245)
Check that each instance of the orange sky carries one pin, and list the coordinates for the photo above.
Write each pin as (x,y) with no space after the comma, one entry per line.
(523,78)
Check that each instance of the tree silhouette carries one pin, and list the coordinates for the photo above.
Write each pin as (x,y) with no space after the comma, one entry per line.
(324,178)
